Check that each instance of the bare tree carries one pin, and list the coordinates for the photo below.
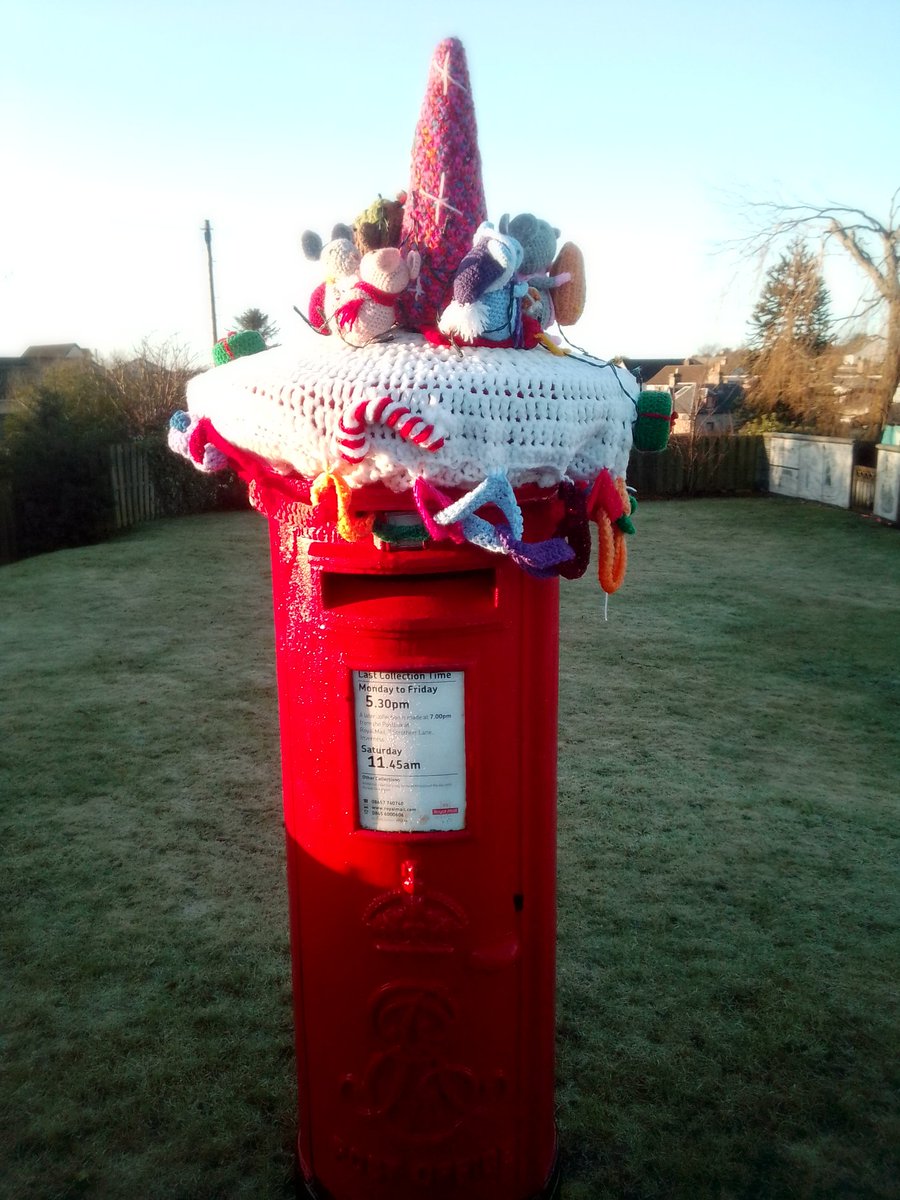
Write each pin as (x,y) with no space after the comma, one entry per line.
(873,245)
(149,384)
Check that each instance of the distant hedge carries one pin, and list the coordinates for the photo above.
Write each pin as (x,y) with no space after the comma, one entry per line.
(56,467)
(181,489)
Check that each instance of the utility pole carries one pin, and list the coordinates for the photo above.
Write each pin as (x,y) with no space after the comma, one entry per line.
(207,237)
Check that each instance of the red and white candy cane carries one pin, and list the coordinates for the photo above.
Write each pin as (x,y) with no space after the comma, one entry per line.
(353,435)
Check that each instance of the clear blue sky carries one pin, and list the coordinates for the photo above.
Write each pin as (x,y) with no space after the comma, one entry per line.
(637,128)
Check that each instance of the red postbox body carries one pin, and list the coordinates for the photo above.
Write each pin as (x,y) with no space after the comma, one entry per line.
(418,700)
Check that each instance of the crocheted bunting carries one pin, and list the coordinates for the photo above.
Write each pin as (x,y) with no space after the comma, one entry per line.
(445,201)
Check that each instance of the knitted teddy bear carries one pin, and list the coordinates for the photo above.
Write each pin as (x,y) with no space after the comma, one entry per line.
(538,239)
(366,306)
(340,262)
(487,295)
(380,225)
(555,286)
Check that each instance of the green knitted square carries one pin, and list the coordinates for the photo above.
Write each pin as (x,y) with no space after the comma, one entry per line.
(237,345)
(654,421)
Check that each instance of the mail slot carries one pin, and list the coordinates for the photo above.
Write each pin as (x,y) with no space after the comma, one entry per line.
(386,596)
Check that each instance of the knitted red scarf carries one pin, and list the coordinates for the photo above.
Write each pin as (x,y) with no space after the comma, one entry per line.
(348,313)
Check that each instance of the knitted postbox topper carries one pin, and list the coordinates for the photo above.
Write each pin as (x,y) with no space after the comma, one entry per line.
(462,421)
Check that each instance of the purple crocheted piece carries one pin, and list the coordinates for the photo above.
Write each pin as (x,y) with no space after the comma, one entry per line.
(575,529)
(543,560)
(477,271)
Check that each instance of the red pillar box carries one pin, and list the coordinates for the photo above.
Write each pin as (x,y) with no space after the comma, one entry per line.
(418,710)
(429,461)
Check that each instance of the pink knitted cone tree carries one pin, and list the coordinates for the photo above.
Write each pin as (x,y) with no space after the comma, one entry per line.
(445,201)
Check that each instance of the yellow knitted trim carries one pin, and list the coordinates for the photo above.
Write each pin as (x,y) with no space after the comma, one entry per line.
(550,345)
(350,528)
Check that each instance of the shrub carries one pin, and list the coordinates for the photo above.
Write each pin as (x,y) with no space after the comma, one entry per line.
(55,459)
(181,489)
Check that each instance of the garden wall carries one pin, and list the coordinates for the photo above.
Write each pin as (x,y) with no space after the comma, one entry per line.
(809,467)
(887,484)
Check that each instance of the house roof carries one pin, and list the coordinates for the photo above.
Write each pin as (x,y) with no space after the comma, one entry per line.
(62,350)
(688,372)
(721,400)
(37,358)
(652,366)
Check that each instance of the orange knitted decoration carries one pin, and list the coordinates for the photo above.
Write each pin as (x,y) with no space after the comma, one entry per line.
(608,501)
(612,554)
(350,527)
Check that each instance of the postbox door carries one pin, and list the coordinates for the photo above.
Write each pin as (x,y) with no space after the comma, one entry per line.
(424,947)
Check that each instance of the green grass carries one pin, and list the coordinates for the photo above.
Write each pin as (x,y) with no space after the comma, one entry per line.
(729,747)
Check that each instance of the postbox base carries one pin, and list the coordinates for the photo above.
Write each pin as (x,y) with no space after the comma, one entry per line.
(310,1190)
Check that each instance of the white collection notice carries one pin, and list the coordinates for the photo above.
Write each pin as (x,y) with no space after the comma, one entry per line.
(410,750)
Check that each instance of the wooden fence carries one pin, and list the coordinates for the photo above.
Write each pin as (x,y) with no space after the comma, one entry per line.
(692,466)
(862,488)
(134,496)
(7,526)
(687,467)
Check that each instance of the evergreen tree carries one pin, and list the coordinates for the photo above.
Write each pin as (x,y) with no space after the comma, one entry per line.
(789,334)
(873,245)
(256,319)
(794,305)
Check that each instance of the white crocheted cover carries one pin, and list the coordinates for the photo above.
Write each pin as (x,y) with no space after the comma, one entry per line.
(533,415)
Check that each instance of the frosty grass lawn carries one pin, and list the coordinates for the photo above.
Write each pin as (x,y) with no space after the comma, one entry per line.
(728,915)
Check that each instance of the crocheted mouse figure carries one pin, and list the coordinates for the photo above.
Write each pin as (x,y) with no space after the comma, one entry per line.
(340,262)
(367,304)
(487,296)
